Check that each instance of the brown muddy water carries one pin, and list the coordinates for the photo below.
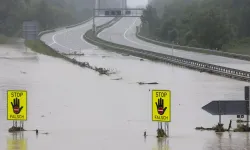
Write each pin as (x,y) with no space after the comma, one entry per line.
(82,110)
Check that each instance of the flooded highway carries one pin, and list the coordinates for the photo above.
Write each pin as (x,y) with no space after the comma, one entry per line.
(83,110)
(123,32)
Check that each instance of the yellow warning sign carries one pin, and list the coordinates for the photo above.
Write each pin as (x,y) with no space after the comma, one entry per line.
(17,105)
(161,105)
(14,144)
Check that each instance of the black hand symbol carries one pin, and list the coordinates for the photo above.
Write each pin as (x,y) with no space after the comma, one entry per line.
(160,106)
(16,106)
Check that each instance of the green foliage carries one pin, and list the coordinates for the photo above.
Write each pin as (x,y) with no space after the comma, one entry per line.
(213,24)
(3,39)
(49,13)
(161,133)
(41,48)
(150,18)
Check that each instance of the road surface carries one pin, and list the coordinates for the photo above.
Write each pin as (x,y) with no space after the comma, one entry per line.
(97,112)
(123,32)
(71,39)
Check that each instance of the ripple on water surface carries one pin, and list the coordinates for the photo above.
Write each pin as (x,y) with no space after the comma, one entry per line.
(81,109)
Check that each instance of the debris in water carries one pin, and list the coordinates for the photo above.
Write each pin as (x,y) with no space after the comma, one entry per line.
(16,129)
(217,128)
(242,128)
(23,72)
(104,56)
(161,133)
(42,116)
(117,78)
(202,128)
(141,83)
(45,133)
(41,133)
(125,54)
(98,69)
(141,59)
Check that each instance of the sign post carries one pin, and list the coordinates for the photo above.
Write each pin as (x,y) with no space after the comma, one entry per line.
(230,107)
(247,106)
(17,106)
(161,108)
(219,112)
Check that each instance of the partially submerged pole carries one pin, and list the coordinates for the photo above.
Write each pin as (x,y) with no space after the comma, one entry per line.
(230,125)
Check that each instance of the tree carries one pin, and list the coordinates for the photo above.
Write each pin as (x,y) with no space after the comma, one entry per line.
(150,17)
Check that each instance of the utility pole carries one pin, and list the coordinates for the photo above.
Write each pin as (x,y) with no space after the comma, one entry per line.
(247,99)
(99,6)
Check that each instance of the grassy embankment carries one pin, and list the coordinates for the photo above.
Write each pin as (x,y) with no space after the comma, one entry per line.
(236,46)
(39,47)
(3,39)
(36,46)
(239,46)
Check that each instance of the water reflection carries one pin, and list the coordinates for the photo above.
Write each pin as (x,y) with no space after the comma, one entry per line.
(17,142)
(228,141)
(247,141)
(162,144)
(191,90)
(219,136)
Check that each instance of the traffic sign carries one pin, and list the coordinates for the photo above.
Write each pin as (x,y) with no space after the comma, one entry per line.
(240,116)
(30,30)
(233,107)
(17,105)
(161,105)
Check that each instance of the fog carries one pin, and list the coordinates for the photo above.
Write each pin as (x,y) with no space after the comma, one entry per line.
(134,3)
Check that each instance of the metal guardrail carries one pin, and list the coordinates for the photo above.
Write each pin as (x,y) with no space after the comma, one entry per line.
(99,28)
(194,49)
(196,65)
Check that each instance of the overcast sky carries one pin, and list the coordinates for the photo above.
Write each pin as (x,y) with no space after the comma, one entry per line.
(134,3)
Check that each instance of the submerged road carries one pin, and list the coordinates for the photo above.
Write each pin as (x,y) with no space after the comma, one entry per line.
(123,32)
(99,113)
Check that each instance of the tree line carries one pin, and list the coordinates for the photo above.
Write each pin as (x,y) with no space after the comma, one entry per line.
(49,13)
(213,24)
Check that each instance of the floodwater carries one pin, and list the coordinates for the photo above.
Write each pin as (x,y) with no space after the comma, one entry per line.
(83,110)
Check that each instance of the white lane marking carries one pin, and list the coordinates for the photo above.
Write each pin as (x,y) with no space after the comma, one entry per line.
(99,34)
(51,43)
(71,29)
(125,36)
(94,47)
(67,30)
